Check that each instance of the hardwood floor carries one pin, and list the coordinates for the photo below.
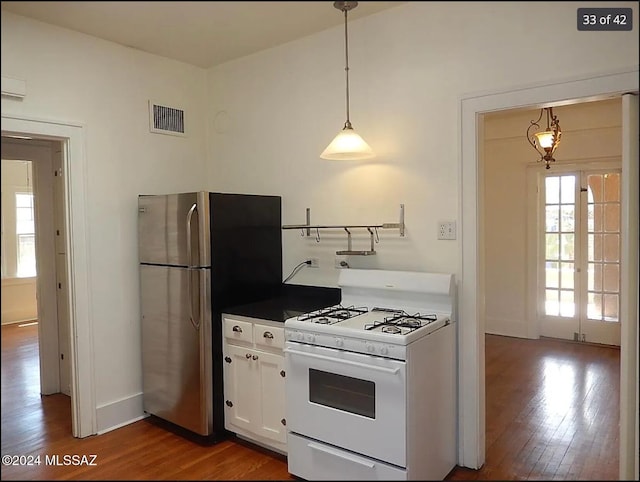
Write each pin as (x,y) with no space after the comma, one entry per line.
(552,414)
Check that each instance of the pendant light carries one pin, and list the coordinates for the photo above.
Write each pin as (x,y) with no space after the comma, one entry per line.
(347,145)
(548,139)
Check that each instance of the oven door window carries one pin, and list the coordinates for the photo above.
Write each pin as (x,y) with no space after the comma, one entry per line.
(348,394)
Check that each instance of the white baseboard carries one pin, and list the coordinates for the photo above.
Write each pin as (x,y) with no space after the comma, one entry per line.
(515,328)
(119,413)
(15,322)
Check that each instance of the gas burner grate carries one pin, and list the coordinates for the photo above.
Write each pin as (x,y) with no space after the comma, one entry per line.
(401,323)
(333,314)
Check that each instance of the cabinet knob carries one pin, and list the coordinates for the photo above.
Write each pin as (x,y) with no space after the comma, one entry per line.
(227,359)
(268,334)
(228,403)
(282,373)
(237,329)
(255,357)
(248,355)
(283,422)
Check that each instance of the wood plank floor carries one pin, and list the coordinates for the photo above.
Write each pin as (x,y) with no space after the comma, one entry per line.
(552,414)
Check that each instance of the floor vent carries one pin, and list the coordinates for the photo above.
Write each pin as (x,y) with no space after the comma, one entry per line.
(166,120)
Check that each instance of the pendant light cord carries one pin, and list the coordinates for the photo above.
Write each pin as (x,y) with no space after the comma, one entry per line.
(347,124)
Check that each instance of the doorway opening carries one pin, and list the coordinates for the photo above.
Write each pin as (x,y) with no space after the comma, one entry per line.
(472,288)
(34,253)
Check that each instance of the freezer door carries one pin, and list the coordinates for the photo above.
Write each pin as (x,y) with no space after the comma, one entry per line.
(173,229)
(176,346)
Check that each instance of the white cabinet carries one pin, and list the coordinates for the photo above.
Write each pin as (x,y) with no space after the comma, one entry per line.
(254,390)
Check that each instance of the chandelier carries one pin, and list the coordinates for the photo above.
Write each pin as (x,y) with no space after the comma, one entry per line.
(545,142)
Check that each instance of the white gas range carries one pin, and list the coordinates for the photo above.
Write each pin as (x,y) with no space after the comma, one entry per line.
(371,383)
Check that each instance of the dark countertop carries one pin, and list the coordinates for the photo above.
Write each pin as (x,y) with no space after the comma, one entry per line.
(294,300)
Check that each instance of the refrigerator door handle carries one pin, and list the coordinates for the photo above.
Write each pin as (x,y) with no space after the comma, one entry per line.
(196,324)
(189,216)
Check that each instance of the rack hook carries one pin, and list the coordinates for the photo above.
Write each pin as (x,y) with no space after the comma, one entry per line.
(317,235)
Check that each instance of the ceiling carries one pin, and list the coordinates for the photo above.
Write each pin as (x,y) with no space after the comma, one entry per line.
(204,34)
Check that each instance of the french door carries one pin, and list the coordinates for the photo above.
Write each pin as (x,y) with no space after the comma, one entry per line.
(580,256)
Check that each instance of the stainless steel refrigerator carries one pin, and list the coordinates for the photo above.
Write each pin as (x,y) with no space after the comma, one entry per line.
(199,253)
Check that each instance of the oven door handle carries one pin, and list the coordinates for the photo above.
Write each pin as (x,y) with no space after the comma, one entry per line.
(341,455)
(340,360)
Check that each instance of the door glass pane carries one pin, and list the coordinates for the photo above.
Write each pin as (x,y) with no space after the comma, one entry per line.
(594,306)
(552,219)
(552,246)
(552,306)
(567,275)
(612,187)
(611,277)
(594,218)
(612,247)
(611,307)
(612,217)
(568,218)
(567,189)
(552,189)
(595,277)
(567,305)
(552,278)
(594,183)
(567,246)
(594,247)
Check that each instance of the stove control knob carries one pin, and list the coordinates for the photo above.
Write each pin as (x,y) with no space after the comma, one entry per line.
(384,350)
(311,338)
(300,336)
(339,342)
(371,348)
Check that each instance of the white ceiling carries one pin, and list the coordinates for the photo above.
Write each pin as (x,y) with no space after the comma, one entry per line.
(199,33)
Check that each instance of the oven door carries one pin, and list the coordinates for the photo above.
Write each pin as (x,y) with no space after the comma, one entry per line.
(351,400)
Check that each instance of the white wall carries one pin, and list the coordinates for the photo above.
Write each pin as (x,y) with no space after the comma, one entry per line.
(72,77)
(19,300)
(591,132)
(272,113)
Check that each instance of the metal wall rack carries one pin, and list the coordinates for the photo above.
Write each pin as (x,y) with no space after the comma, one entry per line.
(372,228)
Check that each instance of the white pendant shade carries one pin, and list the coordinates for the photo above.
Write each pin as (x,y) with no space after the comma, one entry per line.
(347,146)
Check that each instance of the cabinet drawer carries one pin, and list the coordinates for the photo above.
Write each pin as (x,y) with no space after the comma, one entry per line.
(268,336)
(238,330)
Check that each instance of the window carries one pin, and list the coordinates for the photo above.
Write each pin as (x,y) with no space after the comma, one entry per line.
(25,236)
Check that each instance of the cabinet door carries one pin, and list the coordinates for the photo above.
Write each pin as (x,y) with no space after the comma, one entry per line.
(272,396)
(241,392)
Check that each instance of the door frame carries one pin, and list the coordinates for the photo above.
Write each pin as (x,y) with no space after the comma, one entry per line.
(471,289)
(72,137)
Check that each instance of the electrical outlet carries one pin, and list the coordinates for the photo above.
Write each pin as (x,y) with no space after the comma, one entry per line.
(315,262)
(447,230)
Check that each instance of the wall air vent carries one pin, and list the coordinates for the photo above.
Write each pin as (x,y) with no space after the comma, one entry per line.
(166,120)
